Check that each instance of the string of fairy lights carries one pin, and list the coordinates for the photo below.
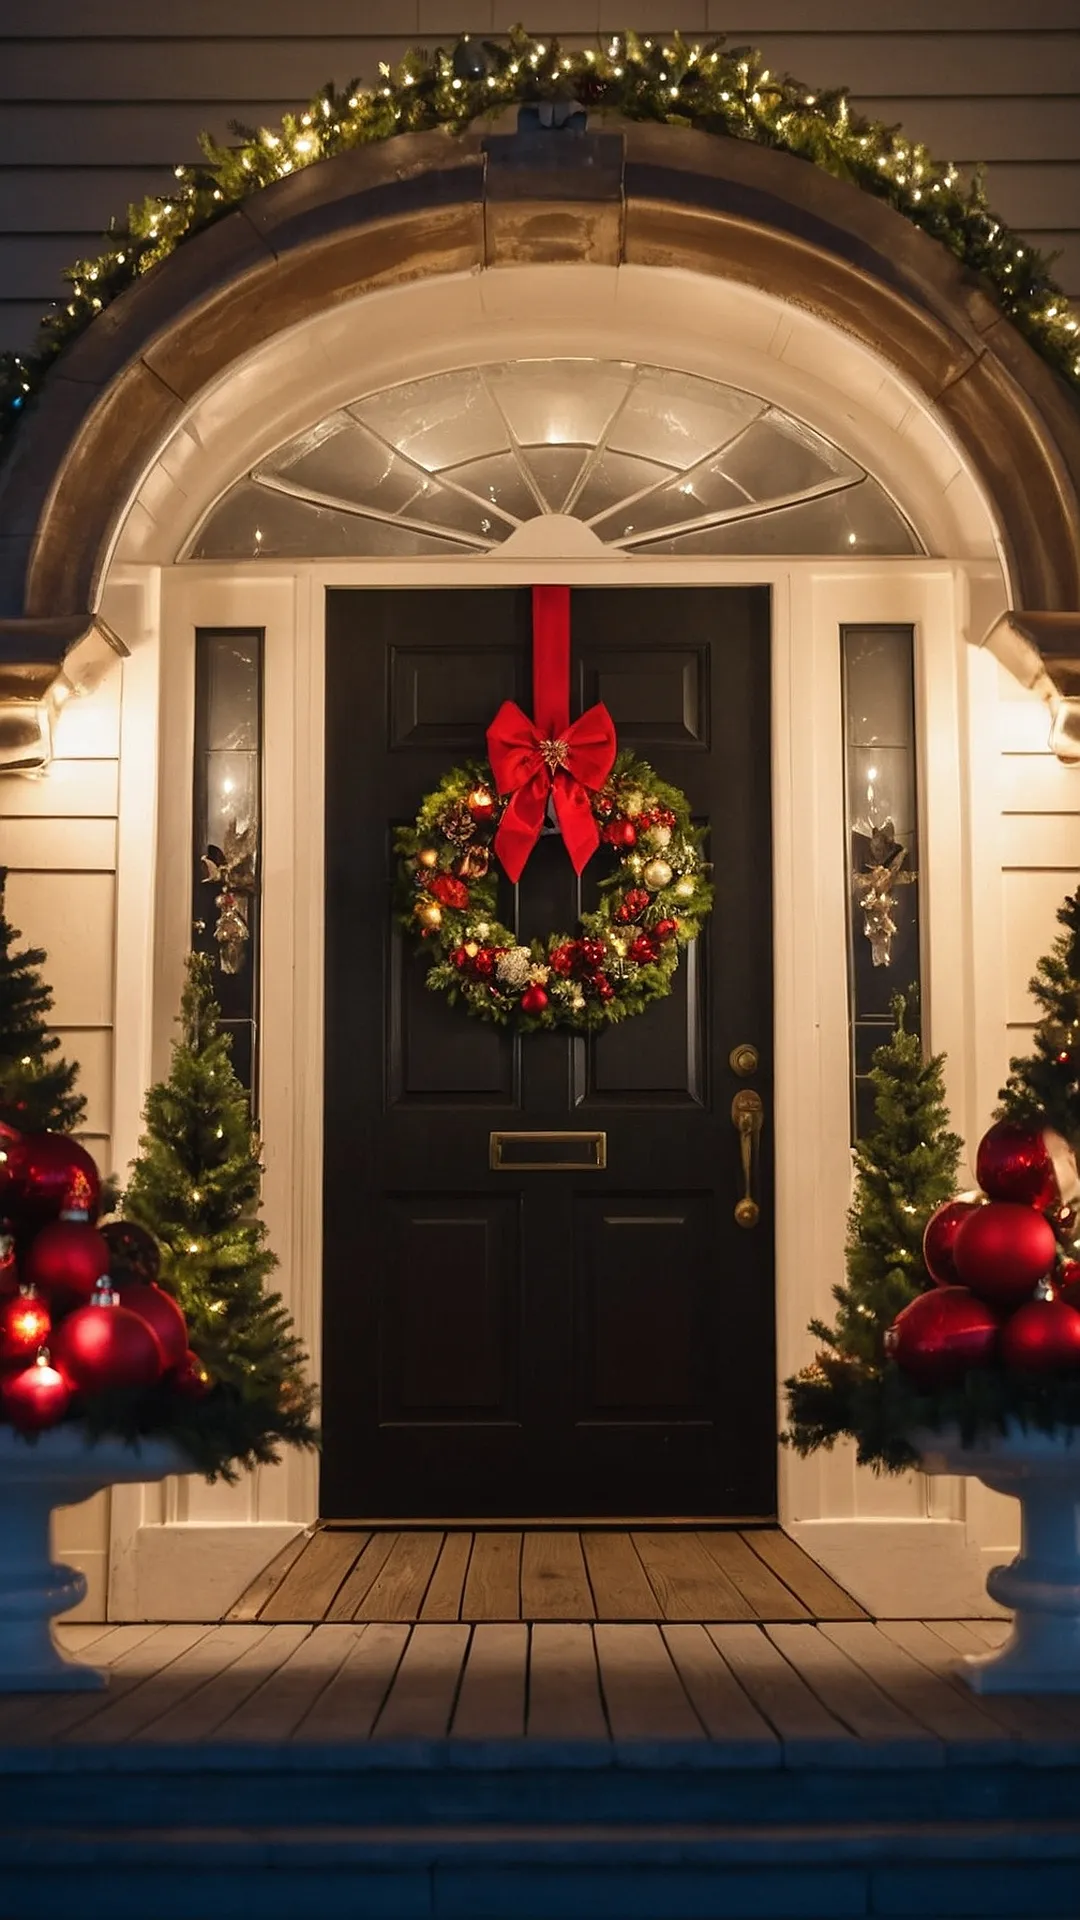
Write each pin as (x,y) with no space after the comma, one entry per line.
(720,90)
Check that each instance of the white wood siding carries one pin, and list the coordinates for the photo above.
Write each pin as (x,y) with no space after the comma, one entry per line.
(97,104)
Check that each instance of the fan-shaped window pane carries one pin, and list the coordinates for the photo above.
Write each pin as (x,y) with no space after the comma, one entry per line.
(654,461)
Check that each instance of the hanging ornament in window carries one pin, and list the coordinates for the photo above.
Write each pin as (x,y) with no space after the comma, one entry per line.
(232,868)
(884,858)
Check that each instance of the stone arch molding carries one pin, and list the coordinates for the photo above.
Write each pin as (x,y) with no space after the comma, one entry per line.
(426,205)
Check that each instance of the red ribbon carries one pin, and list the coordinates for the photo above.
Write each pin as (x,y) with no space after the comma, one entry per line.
(531,759)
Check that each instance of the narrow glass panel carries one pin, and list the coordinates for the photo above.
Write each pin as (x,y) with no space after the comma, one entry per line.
(559,402)
(498,478)
(437,422)
(254,522)
(678,419)
(555,470)
(877,665)
(615,477)
(777,458)
(350,465)
(859,519)
(226,827)
(706,490)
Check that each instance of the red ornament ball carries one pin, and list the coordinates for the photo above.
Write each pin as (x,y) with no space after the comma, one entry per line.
(620,833)
(104,1345)
(25,1324)
(66,1260)
(1002,1250)
(162,1315)
(590,951)
(133,1250)
(481,804)
(534,999)
(936,1338)
(665,928)
(1042,1337)
(1013,1163)
(603,988)
(940,1237)
(564,959)
(450,892)
(644,949)
(1068,1279)
(190,1377)
(36,1397)
(53,1174)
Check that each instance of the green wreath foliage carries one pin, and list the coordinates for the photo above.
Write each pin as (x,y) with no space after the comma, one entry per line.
(625,952)
(708,86)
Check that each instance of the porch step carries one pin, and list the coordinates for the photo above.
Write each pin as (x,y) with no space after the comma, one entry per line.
(1020,1870)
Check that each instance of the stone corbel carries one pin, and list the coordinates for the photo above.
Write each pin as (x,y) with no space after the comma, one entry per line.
(43,662)
(1042,651)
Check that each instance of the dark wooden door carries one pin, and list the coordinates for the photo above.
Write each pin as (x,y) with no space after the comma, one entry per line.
(544,1343)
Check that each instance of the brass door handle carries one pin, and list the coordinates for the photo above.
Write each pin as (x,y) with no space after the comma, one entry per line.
(748,1116)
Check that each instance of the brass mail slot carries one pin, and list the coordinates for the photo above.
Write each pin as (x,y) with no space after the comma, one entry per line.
(548,1152)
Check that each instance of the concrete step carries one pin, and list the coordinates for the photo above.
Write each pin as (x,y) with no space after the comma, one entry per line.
(1019,1870)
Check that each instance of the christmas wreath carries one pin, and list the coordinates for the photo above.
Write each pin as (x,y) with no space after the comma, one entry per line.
(624,953)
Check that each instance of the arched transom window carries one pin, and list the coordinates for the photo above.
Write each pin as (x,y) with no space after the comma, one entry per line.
(653,461)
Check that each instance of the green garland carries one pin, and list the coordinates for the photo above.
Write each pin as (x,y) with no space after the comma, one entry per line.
(707,86)
(624,954)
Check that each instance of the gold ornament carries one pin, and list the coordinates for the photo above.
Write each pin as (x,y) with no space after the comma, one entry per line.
(473,863)
(632,804)
(428,857)
(659,836)
(429,913)
(656,874)
(684,888)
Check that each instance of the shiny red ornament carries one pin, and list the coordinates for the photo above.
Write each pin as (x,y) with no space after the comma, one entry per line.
(644,949)
(36,1397)
(1042,1336)
(483,962)
(133,1250)
(940,1335)
(162,1315)
(1068,1279)
(591,951)
(602,987)
(620,833)
(632,906)
(562,960)
(10,1139)
(664,929)
(481,804)
(25,1324)
(534,999)
(1013,1163)
(104,1346)
(53,1174)
(66,1260)
(190,1377)
(1002,1250)
(940,1237)
(450,892)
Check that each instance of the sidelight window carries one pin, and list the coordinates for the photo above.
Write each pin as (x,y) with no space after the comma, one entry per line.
(226,828)
(653,461)
(882,843)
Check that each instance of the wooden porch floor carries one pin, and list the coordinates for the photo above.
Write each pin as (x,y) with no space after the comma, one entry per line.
(335,1575)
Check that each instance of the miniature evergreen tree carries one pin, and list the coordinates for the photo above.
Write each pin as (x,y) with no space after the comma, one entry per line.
(36,1085)
(195,1186)
(1043,1088)
(904,1168)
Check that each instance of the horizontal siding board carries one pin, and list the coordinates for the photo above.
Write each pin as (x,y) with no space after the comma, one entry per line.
(72,916)
(243,67)
(1037,783)
(968,130)
(1023,725)
(1035,195)
(205,18)
(43,200)
(92,1049)
(68,788)
(1031,901)
(19,319)
(59,846)
(1040,840)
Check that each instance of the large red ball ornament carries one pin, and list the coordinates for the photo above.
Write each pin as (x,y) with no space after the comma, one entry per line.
(191,1378)
(1013,1163)
(940,1239)
(53,1174)
(132,1250)
(161,1314)
(937,1338)
(1042,1337)
(36,1397)
(25,1324)
(66,1260)
(1002,1250)
(104,1346)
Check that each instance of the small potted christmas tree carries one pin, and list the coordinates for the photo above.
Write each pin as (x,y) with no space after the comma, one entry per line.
(141,1346)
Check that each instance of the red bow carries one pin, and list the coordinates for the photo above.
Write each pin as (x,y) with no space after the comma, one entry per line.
(531,759)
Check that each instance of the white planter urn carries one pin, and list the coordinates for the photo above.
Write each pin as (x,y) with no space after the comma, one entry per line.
(1042,1585)
(57,1468)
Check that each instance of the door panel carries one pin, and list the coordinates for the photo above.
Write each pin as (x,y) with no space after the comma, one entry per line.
(558,1342)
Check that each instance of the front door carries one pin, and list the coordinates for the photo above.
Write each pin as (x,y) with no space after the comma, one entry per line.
(560,1343)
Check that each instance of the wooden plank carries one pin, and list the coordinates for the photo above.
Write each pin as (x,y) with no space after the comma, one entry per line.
(811,1735)
(644,1696)
(349,1706)
(564,1685)
(491,1703)
(421,1700)
(807,1581)
(763,1592)
(31,1720)
(201,1713)
(493,1582)
(120,1720)
(73,786)
(398,1589)
(919,1640)
(855,1699)
(276,1708)
(619,1582)
(369,1564)
(442,1601)
(730,1719)
(308,1588)
(254,1597)
(554,1583)
(1038,1720)
(77,1637)
(689,1582)
(929,1698)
